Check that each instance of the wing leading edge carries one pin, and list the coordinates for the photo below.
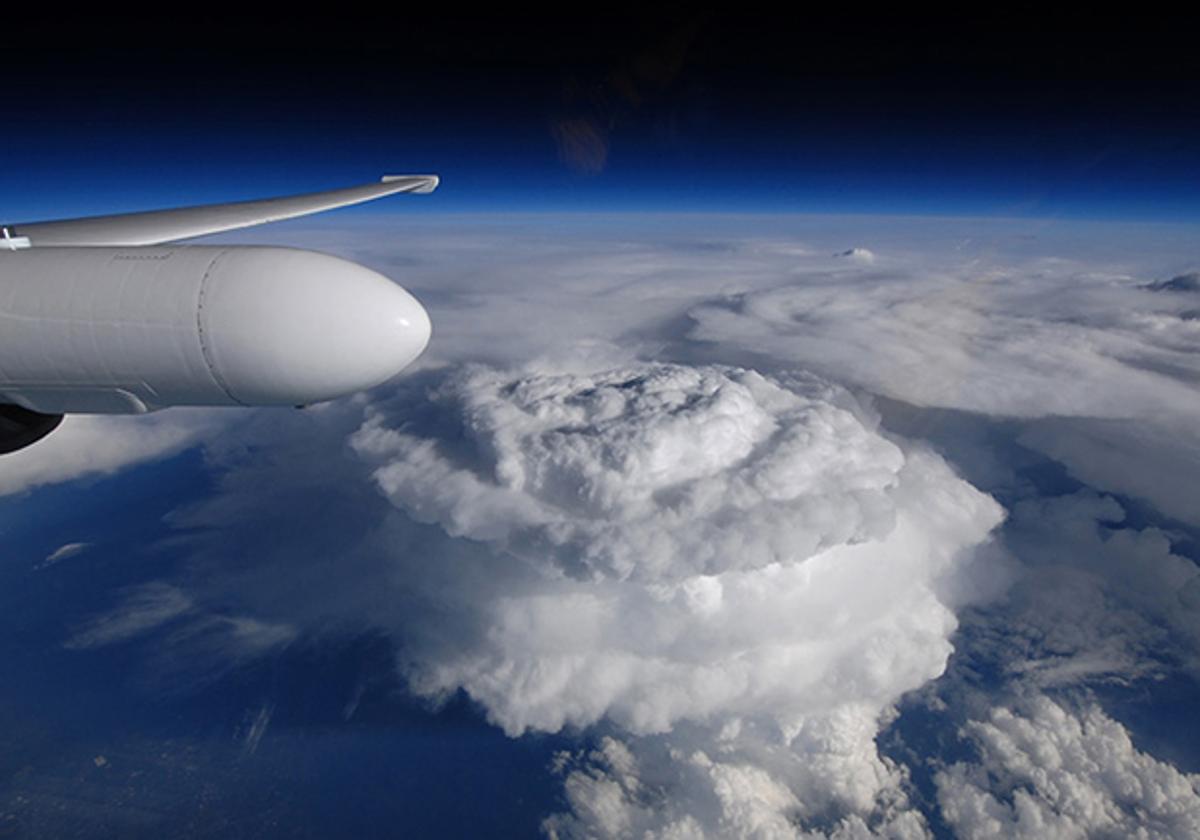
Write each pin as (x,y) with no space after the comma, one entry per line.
(156,227)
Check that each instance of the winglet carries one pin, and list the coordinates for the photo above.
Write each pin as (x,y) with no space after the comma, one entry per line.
(430,182)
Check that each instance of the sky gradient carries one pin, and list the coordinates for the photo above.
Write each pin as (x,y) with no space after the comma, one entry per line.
(1019,114)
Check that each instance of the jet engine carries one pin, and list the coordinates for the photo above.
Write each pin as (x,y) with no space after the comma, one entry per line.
(20,427)
(103,315)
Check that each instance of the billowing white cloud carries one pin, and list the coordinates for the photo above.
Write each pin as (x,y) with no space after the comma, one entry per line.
(742,564)
(609,798)
(657,472)
(1044,771)
(612,791)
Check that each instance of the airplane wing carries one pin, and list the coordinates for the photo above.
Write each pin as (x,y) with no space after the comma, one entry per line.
(155,227)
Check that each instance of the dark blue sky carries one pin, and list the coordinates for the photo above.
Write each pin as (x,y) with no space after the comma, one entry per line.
(674,109)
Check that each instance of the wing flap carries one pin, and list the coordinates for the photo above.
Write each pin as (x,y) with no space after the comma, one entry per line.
(154,227)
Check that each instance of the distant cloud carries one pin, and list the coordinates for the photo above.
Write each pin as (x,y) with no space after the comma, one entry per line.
(62,553)
(1004,343)
(200,643)
(144,608)
(1044,771)
(1157,459)
(860,255)
(1098,600)
(1179,283)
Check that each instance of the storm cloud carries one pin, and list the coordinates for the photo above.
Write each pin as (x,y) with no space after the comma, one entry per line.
(740,565)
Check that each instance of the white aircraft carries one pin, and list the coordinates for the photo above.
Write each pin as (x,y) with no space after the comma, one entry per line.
(98,316)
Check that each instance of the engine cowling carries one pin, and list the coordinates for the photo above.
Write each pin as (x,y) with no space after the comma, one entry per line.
(129,330)
(20,427)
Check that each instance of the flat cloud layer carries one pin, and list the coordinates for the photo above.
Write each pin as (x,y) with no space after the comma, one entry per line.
(994,341)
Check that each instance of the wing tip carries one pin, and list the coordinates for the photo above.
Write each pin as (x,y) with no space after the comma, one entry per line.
(425,183)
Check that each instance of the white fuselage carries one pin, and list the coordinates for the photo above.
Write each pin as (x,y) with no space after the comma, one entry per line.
(129,330)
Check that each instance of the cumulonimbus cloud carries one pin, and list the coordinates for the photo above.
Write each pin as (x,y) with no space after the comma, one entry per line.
(742,564)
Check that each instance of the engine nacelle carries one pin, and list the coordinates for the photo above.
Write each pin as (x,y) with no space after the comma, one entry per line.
(130,330)
(20,427)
